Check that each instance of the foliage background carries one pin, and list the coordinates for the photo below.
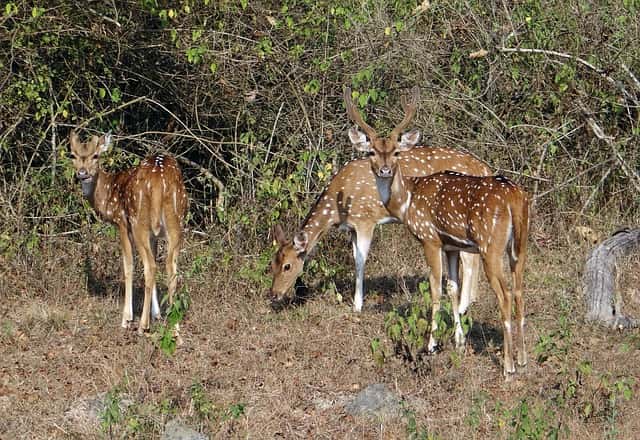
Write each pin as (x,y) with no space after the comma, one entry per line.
(252,92)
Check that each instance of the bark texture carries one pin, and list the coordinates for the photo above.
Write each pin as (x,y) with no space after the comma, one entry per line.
(599,279)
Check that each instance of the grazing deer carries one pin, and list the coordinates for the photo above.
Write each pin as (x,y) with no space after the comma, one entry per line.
(451,212)
(144,202)
(351,202)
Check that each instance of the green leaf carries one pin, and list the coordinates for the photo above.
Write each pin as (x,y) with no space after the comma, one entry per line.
(312,87)
(10,9)
(116,95)
(362,100)
(37,12)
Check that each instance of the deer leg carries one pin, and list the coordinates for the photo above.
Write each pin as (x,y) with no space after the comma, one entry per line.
(452,289)
(155,305)
(470,276)
(517,269)
(141,235)
(361,241)
(495,275)
(174,241)
(433,255)
(127,265)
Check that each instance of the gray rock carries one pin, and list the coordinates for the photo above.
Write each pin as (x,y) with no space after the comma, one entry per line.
(375,400)
(175,430)
(83,415)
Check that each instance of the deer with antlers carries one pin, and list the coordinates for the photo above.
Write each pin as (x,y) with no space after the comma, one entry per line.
(351,202)
(144,202)
(449,213)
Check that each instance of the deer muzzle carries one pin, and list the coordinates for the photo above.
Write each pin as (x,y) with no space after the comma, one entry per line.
(82,174)
(385,171)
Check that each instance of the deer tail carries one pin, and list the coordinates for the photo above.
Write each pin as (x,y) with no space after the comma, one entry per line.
(520,225)
(156,210)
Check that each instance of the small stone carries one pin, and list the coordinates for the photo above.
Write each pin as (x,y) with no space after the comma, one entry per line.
(375,400)
(176,430)
(84,414)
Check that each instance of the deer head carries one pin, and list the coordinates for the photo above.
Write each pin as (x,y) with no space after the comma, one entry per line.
(383,152)
(86,155)
(288,262)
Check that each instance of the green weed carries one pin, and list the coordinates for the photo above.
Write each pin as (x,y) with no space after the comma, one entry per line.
(408,329)
(111,415)
(532,422)
(415,431)
(166,333)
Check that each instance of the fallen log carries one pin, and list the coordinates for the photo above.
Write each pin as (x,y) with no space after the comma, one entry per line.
(600,275)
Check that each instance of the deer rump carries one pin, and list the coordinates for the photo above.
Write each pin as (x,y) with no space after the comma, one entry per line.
(146,191)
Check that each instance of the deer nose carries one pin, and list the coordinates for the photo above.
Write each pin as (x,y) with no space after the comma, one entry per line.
(82,173)
(385,171)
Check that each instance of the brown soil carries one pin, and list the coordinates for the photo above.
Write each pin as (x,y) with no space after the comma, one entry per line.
(293,369)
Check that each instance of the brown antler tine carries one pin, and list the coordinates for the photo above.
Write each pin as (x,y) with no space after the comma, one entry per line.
(353,113)
(409,106)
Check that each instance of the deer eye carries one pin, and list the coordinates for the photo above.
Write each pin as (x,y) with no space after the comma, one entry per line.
(287,267)
(371,153)
(95,156)
(396,153)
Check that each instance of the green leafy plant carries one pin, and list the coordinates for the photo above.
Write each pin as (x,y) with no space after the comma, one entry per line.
(166,334)
(111,414)
(235,411)
(554,345)
(408,329)
(415,431)
(478,402)
(377,351)
(532,423)
(615,390)
(201,404)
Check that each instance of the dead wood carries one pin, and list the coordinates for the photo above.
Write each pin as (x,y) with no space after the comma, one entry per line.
(599,279)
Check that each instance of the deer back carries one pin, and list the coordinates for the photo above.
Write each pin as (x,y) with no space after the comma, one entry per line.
(462,208)
(154,189)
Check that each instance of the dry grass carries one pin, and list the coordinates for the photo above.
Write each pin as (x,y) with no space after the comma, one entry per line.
(293,369)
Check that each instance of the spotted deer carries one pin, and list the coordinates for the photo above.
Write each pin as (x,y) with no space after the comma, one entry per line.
(351,202)
(144,202)
(450,212)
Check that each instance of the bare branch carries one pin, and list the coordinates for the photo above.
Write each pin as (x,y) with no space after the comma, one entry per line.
(582,61)
(208,175)
(635,80)
(626,169)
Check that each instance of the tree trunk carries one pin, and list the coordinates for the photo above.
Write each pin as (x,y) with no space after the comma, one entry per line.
(599,279)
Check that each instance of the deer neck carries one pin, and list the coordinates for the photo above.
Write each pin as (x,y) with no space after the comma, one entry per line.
(102,193)
(323,215)
(395,194)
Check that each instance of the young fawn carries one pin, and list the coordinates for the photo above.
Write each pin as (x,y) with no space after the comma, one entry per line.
(451,212)
(144,202)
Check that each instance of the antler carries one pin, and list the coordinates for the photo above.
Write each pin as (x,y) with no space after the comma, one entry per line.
(352,111)
(409,106)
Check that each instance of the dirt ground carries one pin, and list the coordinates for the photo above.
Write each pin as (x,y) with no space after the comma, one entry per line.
(246,370)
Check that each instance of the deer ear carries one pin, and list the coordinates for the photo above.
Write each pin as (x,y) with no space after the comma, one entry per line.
(409,140)
(278,234)
(104,142)
(359,140)
(300,241)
